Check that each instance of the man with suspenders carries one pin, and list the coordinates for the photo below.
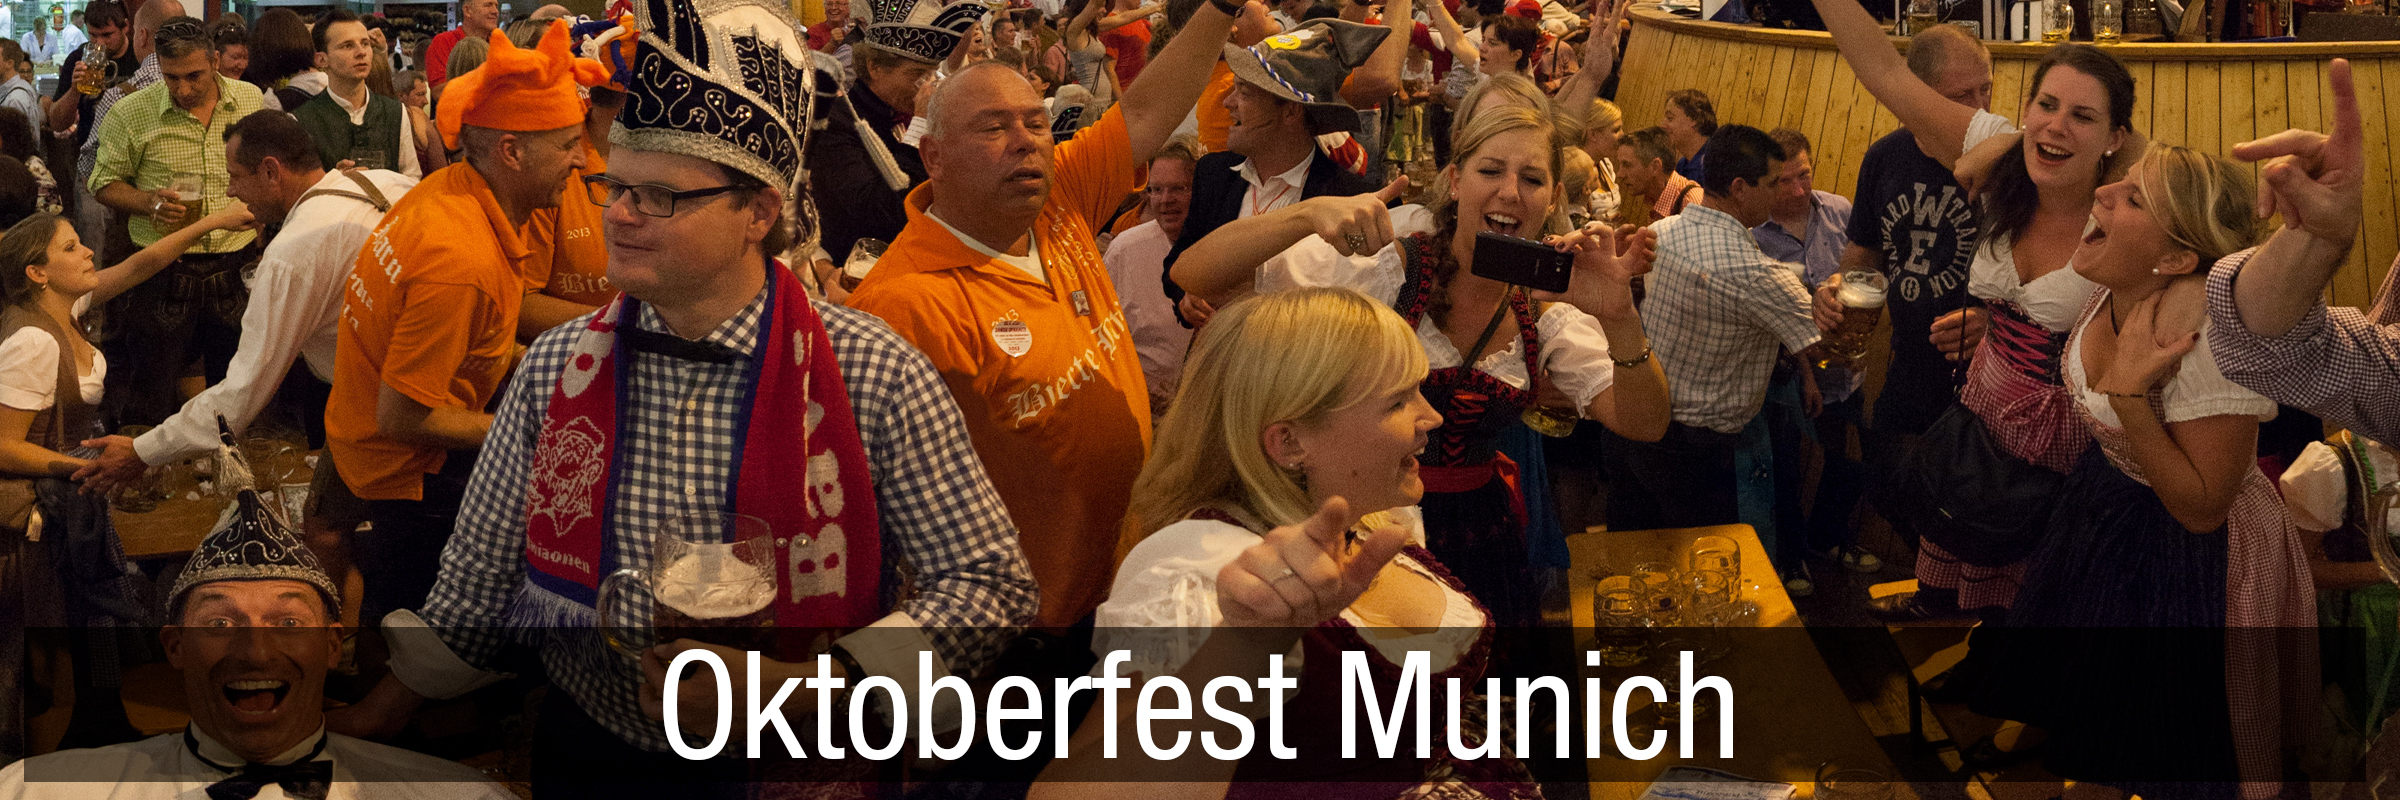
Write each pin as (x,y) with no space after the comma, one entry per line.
(296,302)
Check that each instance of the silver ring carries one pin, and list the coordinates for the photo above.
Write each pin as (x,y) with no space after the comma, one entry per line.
(1287,572)
(1357,241)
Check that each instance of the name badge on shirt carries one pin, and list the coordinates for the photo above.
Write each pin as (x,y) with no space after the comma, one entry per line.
(1083,303)
(1013,337)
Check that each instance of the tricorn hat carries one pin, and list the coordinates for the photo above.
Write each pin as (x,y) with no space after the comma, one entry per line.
(1307,65)
(924,30)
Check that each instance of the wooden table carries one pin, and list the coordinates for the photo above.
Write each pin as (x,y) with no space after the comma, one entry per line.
(1790,716)
(176,526)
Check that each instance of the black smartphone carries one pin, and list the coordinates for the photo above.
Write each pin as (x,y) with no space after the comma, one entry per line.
(1523,262)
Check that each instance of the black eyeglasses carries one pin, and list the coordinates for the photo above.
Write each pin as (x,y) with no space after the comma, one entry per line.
(649,199)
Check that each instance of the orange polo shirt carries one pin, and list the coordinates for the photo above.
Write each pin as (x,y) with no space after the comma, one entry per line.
(431,311)
(568,258)
(1044,372)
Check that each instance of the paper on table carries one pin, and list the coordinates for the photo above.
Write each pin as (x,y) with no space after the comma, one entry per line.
(1694,783)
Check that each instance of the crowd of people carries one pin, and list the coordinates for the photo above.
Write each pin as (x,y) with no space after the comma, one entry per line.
(1188,327)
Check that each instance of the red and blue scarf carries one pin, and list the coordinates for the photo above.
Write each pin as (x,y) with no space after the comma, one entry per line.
(798,463)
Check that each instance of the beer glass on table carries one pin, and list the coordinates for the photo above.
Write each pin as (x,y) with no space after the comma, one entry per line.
(711,578)
(1862,295)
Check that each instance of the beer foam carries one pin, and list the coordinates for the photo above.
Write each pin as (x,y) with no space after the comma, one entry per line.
(705,587)
(1860,294)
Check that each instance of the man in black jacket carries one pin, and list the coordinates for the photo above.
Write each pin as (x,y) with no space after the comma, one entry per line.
(898,52)
(1288,92)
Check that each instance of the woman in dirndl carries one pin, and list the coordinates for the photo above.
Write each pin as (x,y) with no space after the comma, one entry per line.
(1587,342)
(2164,635)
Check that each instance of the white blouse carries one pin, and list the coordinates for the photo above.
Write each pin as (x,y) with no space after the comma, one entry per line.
(1164,602)
(2054,301)
(2197,391)
(29,368)
(1574,350)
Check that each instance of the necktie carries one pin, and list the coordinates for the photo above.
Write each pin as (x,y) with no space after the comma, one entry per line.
(677,347)
(306,779)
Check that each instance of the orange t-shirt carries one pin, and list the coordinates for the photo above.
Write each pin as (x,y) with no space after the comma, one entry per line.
(1045,373)
(569,259)
(431,311)
(1211,114)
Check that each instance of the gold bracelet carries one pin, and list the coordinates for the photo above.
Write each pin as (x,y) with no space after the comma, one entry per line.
(1635,361)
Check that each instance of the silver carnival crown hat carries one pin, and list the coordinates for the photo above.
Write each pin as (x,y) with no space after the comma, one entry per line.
(925,30)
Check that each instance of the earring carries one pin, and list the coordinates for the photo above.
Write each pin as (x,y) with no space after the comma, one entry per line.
(2108,154)
(2154,271)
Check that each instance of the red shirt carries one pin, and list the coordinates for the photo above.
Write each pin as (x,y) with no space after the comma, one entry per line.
(1130,45)
(437,55)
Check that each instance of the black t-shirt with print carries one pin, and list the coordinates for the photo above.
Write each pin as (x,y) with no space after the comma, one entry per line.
(1911,208)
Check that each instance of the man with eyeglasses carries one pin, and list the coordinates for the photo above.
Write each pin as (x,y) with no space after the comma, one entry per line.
(1138,256)
(430,315)
(155,147)
(714,386)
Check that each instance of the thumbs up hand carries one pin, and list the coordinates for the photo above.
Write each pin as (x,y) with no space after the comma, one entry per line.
(1301,575)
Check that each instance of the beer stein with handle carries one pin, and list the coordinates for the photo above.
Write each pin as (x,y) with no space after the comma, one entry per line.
(711,578)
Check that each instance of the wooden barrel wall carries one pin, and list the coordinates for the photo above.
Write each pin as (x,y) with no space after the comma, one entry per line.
(2203,96)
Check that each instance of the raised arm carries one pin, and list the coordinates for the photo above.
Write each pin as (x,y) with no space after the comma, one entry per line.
(1376,80)
(1599,61)
(1124,18)
(142,265)
(1170,86)
(1079,29)
(1940,125)
(1454,39)
(2316,181)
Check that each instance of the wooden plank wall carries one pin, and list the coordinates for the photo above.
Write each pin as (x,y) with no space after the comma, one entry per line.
(2194,98)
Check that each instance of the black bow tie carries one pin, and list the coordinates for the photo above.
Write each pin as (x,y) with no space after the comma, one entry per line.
(673,346)
(306,779)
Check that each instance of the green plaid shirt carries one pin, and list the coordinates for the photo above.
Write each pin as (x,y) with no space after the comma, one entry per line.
(146,139)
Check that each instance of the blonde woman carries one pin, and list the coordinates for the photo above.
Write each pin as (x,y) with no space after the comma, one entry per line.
(1489,342)
(1601,127)
(1277,503)
(2166,535)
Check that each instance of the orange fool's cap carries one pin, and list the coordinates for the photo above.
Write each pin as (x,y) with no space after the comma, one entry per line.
(521,90)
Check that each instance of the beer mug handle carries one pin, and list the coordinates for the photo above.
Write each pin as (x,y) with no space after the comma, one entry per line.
(617,636)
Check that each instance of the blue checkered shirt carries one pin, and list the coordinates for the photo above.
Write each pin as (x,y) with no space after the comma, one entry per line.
(950,553)
(1716,311)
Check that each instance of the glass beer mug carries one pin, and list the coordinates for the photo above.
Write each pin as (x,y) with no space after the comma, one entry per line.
(1862,295)
(711,579)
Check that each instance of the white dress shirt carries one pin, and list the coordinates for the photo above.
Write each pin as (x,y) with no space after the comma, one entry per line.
(161,767)
(295,308)
(1272,192)
(408,137)
(1137,263)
